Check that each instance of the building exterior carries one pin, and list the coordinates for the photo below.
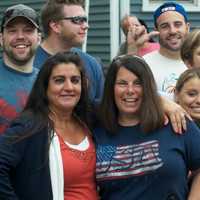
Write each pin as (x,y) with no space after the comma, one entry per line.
(104,35)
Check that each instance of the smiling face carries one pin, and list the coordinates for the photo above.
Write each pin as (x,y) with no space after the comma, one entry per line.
(64,88)
(19,40)
(189,97)
(128,94)
(173,30)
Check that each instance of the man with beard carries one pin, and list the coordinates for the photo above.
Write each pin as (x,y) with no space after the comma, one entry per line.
(65,25)
(171,21)
(19,39)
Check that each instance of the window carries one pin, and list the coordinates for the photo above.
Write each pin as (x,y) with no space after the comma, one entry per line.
(189,5)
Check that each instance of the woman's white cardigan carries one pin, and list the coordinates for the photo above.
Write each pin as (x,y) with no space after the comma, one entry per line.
(56,169)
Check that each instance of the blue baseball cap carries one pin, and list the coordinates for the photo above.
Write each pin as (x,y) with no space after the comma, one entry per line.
(169,6)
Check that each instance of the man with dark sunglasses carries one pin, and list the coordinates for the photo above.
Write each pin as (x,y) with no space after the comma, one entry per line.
(19,40)
(65,25)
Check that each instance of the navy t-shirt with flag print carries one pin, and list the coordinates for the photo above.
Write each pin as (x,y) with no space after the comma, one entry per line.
(132,165)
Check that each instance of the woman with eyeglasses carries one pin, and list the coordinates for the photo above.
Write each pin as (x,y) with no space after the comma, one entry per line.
(138,157)
(47,153)
(187,93)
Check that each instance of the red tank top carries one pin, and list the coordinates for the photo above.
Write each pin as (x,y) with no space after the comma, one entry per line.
(79,172)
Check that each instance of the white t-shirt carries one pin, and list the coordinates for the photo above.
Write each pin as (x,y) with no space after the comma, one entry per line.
(166,71)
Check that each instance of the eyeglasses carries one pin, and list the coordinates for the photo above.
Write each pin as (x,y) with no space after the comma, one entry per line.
(76,19)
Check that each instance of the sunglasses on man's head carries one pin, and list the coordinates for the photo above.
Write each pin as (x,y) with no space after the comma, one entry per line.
(76,19)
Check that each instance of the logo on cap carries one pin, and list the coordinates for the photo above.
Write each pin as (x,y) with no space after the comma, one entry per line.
(168,9)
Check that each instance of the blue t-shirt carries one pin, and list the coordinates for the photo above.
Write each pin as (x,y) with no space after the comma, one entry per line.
(15,87)
(92,67)
(132,165)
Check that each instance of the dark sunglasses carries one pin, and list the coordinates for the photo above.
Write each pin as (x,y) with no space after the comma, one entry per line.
(76,19)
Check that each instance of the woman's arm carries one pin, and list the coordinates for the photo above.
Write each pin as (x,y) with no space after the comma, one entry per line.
(195,187)
(11,154)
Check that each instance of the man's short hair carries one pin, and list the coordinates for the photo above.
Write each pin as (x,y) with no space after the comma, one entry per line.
(53,11)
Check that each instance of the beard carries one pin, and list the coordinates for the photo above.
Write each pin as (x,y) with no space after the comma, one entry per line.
(70,40)
(17,60)
(166,45)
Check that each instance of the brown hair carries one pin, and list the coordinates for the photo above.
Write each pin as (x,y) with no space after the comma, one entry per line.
(53,11)
(36,112)
(186,76)
(191,42)
(151,112)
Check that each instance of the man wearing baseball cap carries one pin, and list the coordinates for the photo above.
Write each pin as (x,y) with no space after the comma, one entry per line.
(19,39)
(171,20)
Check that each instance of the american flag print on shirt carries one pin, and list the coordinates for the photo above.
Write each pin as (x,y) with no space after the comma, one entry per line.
(115,162)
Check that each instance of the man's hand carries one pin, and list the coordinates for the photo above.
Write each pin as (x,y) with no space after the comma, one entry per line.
(137,36)
(176,114)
